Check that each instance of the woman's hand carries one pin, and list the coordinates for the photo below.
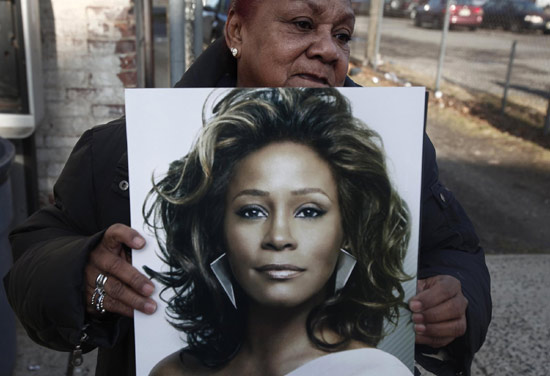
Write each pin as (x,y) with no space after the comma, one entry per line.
(439,311)
(125,288)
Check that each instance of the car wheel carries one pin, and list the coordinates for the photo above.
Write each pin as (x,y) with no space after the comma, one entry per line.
(417,21)
(473,28)
(438,23)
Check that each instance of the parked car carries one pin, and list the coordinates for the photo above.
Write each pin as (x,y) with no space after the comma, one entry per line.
(398,8)
(463,13)
(392,8)
(515,15)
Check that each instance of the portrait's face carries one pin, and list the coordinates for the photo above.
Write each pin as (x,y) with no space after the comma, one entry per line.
(282,225)
(294,43)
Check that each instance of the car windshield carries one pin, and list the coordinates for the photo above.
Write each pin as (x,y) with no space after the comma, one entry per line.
(527,6)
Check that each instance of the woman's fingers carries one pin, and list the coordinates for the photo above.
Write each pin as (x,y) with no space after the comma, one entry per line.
(114,265)
(125,288)
(439,311)
(118,235)
(120,299)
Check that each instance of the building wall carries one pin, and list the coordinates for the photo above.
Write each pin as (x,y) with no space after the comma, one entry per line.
(89,57)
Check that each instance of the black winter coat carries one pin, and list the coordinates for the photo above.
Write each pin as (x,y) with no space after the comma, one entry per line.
(45,286)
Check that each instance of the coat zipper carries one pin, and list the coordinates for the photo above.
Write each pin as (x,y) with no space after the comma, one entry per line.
(76,355)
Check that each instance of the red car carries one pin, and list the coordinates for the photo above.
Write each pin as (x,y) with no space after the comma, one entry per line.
(463,13)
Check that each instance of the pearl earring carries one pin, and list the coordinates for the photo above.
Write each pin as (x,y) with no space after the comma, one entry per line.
(234,51)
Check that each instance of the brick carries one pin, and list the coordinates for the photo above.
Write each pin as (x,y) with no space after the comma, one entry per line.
(105,79)
(101,47)
(84,61)
(71,45)
(112,111)
(88,55)
(97,95)
(54,94)
(50,155)
(54,169)
(74,94)
(68,109)
(109,13)
(128,79)
(56,78)
(125,46)
(126,29)
(68,126)
(127,62)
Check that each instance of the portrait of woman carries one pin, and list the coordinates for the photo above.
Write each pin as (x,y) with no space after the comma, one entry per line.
(284,239)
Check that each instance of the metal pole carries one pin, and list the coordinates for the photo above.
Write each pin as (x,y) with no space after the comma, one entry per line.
(375,15)
(508,75)
(148,37)
(176,13)
(378,34)
(546,129)
(198,28)
(443,43)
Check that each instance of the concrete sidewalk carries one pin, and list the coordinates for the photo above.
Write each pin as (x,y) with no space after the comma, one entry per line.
(518,342)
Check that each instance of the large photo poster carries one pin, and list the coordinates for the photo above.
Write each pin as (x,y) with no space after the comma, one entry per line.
(277,217)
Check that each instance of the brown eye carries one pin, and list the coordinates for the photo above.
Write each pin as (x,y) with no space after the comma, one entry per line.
(252,212)
(303,24)
(343,38)
(309,213)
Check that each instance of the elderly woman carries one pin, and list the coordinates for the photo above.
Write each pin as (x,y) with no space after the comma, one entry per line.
(72,250)
(286,195)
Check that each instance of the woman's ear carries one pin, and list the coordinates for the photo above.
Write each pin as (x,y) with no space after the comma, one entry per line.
(233,32)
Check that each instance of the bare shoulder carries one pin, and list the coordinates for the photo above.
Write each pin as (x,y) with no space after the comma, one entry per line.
(180,364)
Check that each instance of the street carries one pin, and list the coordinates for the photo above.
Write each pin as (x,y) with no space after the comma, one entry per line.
(475,60)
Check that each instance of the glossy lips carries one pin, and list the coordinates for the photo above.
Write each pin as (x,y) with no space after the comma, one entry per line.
(280,271)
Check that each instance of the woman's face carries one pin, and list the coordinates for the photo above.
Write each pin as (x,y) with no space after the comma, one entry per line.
(282,225)
(293,43)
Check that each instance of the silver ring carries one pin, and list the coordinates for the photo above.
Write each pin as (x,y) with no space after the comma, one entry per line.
(99,307)
(94,295)
(100,281)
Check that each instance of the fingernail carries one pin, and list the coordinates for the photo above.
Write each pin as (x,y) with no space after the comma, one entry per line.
(150,308)
(147,289)
(138,242)
(417,318)
(420,328)
(415,306)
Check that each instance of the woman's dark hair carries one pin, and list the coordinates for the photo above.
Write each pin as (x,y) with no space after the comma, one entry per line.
(186,211)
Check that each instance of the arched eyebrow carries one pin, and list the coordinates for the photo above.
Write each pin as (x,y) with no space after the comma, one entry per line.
(251,192)
(305,191)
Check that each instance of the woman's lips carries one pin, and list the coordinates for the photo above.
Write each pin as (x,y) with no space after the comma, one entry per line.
(280,271)
(313,78)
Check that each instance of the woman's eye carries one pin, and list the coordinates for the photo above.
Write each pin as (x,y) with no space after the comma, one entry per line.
(343,38)
(303,24)
(251,212)
(309,213)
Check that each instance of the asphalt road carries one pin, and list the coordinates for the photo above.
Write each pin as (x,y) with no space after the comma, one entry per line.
(476,60)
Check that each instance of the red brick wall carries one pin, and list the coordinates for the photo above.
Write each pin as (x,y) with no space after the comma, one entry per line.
(89,57)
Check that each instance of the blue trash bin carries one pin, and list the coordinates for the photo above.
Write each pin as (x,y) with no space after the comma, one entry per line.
(7,318)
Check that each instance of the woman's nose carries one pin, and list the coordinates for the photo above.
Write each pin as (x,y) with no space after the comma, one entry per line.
(278,235)
(324,47)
